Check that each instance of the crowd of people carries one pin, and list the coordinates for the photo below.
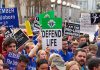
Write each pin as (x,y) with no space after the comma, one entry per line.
(76,54)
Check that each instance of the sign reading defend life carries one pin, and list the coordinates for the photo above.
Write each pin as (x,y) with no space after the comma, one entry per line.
(52,33)
(9,17)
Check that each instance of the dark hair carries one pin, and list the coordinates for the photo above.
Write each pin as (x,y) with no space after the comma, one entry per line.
(94,62)
(40,62)
(6,66)
(23,58)
(7,42)
(78,50)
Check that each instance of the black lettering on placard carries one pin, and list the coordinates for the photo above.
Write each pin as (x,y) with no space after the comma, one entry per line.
(51,33)
(43,33)
(72,29)
(51,42)
(21,38)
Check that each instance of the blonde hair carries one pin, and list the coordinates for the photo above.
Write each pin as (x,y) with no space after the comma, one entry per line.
(70,64)
(38,55)
(93,47)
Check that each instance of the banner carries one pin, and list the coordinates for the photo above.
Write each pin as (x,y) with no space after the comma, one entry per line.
(9,17)
(72,29)
(85,24)
(52,33)
(12,60)
(35,26)
(21,38)
(28,28)
(95,18)
(49,14)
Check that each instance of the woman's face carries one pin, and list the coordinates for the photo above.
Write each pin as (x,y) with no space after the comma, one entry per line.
(43,67)
(43,55)
(74,67)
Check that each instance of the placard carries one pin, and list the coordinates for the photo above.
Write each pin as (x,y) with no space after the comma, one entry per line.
(9,17)
(21,38)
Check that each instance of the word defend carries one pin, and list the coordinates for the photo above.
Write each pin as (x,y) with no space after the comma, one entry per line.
(52,33)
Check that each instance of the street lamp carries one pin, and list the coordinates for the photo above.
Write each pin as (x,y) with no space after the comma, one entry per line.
(52,1)
(53,4)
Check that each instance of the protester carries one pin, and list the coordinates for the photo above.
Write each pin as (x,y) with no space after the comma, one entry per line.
(64,52)
(56,62)
(22,63)
(94,64)
(74,46)
(93,49)
(9,45)
(82,39)
(84,46)
(72,65)
(41,55)
(42,65)
(80,56)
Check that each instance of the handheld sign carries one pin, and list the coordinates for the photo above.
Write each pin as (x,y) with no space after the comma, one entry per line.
(72,29)
(95,18)
(52,33)
(9,17)
(12,60)
(28,28)
(35,25)
(49,14)
(9,33)
(21,38)
(85,24)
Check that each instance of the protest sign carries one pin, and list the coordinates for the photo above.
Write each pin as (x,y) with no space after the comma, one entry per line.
(9,17)
(52,33)
(49,14)
(95,18)
(72,29)
(85,24)
(21,38)
(28,28)
(35,26)
(12,60)
(9,33)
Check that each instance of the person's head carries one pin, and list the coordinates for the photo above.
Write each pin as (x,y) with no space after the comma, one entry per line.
(53,57)
(41,55)
(72,65)
(57,63)
(82,39)
(64,44)
(9,44)
(94,64)
(86,36)
(80,56)
(42,65)
(29,46)
(93,49)
(22,62)
(74,46)
(84,46)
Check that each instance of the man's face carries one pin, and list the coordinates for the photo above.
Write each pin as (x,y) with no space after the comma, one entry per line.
(81,58)
(43,67)
(1,65)
(21,66)
(82,40)
(64,45)
(11,47)
(74,48)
